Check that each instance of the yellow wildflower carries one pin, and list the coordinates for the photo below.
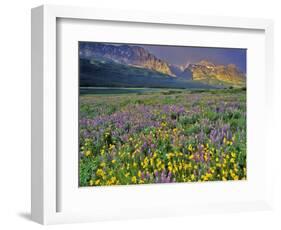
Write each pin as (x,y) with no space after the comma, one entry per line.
(127,174)
(218,165)
(91,182)
(100,172)
(111,147)
(87,153)
(205,157)
(134,179)
(112,180)
(170,155)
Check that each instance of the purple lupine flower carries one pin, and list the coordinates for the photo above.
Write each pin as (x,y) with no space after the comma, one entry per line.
(168,178)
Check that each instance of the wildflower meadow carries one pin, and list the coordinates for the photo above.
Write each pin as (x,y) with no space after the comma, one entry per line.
(162,136)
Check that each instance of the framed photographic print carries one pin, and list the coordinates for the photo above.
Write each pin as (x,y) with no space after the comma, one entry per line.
(137,114)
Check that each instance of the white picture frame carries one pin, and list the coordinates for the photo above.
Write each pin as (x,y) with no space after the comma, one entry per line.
(45,168)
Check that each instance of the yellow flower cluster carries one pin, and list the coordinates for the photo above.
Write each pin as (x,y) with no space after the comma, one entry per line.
(129,163)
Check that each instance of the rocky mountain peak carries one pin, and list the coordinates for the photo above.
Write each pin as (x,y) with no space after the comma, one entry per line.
(209,72)
(125,54)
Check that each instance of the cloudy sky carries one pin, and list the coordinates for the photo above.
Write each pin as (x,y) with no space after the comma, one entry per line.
(182,55)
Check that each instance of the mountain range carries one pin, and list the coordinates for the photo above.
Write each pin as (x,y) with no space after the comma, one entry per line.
(104,64)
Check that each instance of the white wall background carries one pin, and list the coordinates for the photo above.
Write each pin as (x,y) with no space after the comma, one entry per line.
(15,112)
